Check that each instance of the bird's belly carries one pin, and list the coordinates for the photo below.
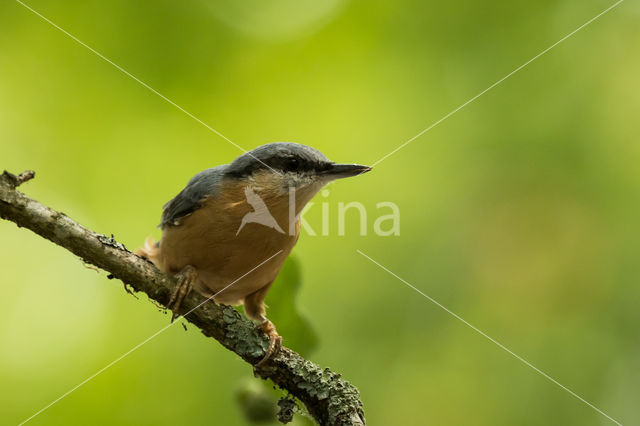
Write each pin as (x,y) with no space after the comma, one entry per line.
(230,266)
(240,268)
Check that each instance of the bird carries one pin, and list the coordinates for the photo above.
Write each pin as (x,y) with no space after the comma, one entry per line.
(224,234)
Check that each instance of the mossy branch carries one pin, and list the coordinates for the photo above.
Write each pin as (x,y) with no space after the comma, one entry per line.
(328,398)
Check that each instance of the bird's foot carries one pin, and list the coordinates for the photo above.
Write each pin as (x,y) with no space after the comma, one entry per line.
(185,279)
(275,342)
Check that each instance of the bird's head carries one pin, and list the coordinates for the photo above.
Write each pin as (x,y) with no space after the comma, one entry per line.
(278,167)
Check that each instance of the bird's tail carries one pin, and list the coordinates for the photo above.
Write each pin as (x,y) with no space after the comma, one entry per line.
(150,250)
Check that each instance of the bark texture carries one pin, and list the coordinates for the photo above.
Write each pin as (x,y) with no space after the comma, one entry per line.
(328,398)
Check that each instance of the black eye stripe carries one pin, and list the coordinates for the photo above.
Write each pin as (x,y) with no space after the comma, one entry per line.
(278,157)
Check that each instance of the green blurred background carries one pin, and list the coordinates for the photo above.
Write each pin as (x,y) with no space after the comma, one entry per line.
(520,212)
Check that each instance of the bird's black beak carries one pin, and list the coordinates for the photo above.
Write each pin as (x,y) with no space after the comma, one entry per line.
(339,171)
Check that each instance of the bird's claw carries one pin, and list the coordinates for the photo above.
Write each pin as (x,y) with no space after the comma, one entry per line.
(275,342)
(185,280)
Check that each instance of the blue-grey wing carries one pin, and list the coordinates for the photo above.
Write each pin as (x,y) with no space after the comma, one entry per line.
(200,187)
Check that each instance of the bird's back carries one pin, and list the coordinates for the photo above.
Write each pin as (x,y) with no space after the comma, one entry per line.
(203,185)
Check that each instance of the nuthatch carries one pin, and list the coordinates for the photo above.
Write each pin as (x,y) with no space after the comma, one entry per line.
(221,226)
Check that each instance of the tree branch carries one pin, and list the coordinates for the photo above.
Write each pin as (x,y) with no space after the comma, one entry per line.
(328,398)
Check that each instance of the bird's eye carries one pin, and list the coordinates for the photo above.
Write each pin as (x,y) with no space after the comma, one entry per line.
(292,164)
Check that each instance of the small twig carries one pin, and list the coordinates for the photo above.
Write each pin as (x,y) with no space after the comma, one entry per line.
(16,181)
(89,266)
